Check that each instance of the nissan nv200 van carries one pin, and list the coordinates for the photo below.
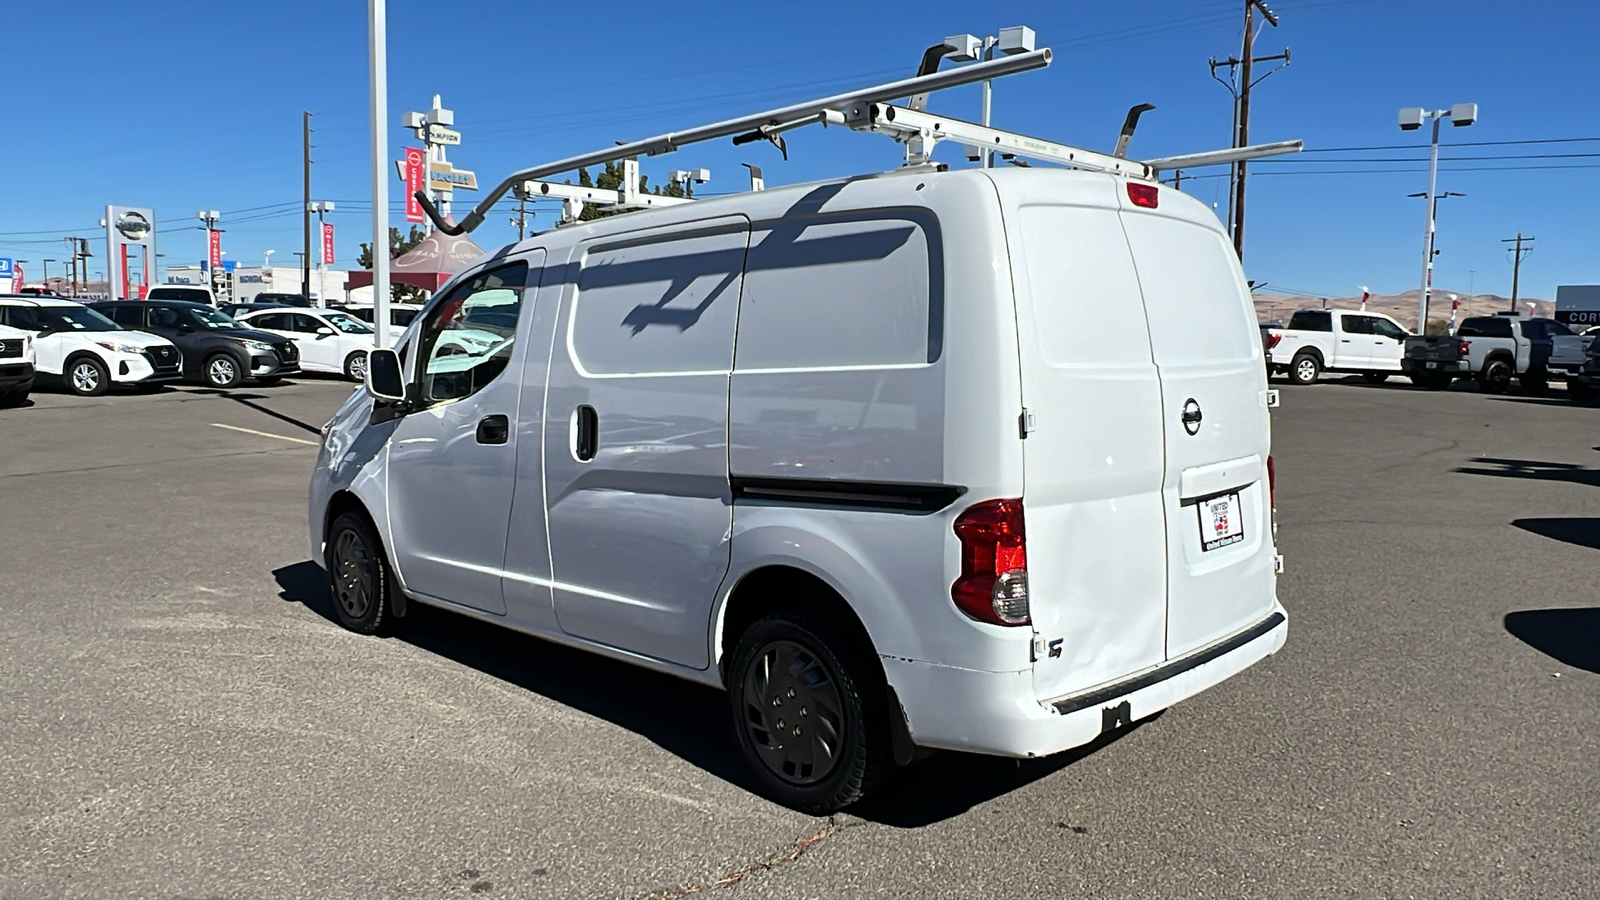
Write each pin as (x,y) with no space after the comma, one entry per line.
(974,459)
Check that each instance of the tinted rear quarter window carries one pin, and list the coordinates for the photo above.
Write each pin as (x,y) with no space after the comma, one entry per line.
(1311,320)
(1485,326)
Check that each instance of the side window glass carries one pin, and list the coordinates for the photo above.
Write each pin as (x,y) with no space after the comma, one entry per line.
(127,316)
(302,323)
(468,337)
(1389,329)
(160,317)
(1357,324)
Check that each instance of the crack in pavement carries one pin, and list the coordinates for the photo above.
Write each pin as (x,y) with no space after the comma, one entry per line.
(834,825)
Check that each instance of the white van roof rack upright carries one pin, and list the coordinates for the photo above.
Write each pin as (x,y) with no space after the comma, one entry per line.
(866,110)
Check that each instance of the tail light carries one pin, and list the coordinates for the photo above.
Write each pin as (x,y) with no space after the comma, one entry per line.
(993,586)
(1272,481)
(1273,339)
(1145,195)
(1464,347)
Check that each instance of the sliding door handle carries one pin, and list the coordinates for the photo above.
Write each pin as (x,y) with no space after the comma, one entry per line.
(586,433)
(494,430)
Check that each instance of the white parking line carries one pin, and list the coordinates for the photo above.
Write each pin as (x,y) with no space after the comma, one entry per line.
(264,433)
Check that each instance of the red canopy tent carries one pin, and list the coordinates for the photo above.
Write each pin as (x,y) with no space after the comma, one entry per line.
(429,264)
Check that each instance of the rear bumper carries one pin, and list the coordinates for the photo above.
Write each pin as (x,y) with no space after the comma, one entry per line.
(1458,367)
(997,712)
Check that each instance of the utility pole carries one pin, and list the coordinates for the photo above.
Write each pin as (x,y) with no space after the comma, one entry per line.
(305,210)
(1241,108)
(1516,262)
(521,221)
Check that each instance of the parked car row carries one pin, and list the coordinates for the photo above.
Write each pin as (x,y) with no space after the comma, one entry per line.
(89,348)
(1492,350)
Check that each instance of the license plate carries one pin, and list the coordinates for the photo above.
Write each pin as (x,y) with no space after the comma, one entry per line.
(1431,365)
(1221,521)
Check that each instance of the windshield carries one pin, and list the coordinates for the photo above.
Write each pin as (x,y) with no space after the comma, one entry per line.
(348,324)
(211,318)
(59,318)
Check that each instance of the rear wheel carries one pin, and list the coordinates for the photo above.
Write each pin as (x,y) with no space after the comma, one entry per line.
(808,714)
(1305,369)
(1495,377)
(1375,377)
(222,371)
(358,574)
(87,377)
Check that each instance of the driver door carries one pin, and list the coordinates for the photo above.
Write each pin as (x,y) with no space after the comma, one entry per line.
(321,351)
(453,457)
(1388,344)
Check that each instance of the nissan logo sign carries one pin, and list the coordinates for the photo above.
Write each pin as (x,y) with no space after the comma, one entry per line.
(133,226)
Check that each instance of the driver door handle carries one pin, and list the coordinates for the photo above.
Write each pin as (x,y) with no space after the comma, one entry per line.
(494,430)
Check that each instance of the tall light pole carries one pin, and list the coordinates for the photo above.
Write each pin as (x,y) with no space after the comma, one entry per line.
(377,28)
(47,273)
(1411,118)
(968,48)
(266,261)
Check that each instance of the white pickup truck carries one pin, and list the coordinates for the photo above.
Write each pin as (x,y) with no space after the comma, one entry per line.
(1336,340)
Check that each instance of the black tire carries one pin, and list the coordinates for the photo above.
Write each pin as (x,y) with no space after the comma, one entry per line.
(821,672)
(359,580)
(86,376)
(1375,377)
(1305,368)
(355,366)
(222,370)
(1495,377)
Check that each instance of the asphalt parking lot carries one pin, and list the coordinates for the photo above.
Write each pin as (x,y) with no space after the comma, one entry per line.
(183,720)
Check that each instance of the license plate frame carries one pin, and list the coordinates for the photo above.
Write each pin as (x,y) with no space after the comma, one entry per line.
(1430,364)
(1221,520)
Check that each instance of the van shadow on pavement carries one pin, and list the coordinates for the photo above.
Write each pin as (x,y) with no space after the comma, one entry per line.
(683,718)
(1566,635)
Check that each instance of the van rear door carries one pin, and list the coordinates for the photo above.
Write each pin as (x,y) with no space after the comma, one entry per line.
(1096,539)
(1214,413)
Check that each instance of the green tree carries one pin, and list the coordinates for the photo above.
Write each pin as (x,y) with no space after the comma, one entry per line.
(611,179)
(398,246)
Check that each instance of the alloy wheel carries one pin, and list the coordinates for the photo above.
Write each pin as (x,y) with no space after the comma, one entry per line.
(1306,370)
(221,371)
(85,377)
(358,367)
(793,712)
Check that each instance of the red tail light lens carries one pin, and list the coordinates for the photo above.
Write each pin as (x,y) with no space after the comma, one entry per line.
(993,586)
(1273,339)
(1464,346)
(1145,195)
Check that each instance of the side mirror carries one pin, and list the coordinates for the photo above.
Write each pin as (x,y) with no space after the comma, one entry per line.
(384,378)
(324,331)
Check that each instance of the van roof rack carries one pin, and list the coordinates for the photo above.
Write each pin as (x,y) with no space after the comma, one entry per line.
(865,110)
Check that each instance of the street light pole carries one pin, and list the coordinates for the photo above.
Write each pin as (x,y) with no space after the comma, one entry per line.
(1411,118)
(377,28)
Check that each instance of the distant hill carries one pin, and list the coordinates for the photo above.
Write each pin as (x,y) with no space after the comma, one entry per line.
(1402,307)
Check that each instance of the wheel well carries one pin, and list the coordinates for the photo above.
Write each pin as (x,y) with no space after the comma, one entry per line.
(1312,352)
(1498,355)
(776,589)
(339,504)
(83,354)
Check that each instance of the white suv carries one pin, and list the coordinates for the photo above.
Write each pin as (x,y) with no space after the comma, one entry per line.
(16,365)
(973,460)
(88,351)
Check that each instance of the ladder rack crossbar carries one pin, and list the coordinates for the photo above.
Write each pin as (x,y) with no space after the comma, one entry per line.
(910,125)
(1219,157)
(666,143)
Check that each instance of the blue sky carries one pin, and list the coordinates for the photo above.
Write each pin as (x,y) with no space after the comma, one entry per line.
(182,105)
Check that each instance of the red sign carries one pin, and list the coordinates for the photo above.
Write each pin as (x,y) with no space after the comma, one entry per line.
(327,243)
(414,183)
(16,279)
(215,238)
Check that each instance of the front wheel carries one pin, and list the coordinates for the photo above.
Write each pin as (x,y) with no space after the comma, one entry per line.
(222,371)
(1495,377)
(1375,377)
(1304,369)
(358,574)
(355,366)
(87,377)
(807,715)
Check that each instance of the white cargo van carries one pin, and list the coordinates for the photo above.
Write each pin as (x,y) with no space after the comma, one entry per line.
(969,459)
